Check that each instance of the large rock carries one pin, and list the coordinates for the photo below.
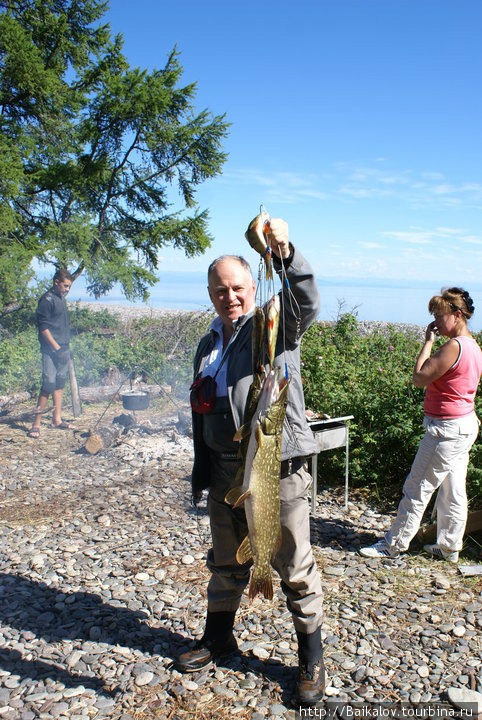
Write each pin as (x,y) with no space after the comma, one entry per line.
(469,700)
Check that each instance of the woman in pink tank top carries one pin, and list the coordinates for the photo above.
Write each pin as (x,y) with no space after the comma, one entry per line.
(451,377)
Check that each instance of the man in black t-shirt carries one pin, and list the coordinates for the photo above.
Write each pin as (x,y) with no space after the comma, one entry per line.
(54,336)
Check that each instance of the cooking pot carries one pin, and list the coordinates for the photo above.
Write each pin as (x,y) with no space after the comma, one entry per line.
(135,400)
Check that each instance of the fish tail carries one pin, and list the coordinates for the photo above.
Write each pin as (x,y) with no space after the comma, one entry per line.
(260,584)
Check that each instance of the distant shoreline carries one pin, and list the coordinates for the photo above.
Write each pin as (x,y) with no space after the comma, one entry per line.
(133,312)
(186,292)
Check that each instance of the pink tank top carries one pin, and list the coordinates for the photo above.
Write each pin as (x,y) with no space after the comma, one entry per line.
(452,395)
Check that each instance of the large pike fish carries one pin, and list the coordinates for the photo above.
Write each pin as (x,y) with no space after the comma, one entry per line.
(260,438)
(257,348)
(258,338)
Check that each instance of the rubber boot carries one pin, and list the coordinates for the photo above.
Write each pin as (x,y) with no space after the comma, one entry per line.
(218,641)
(311,680)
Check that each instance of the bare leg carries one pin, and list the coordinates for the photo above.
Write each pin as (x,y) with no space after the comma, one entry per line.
(57,398)
(41,405)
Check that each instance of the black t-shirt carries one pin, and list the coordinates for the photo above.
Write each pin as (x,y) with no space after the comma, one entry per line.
(52,314)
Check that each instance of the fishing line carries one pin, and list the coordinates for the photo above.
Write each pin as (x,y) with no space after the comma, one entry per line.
(297,316)
(296,311)
(286,292)
(259,286)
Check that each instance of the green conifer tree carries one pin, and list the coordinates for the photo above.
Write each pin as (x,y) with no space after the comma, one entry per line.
(99,161)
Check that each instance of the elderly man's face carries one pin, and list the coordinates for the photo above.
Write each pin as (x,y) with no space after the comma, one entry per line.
(232,290)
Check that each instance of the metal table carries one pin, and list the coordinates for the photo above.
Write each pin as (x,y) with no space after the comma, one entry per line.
(330,433)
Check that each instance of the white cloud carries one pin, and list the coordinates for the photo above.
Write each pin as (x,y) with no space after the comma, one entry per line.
(414,237)
(249,176)
(418,236)
(443,189)
(316,194)
(282,187)
(472,187)
(351,182)
(448,231)
(415,188)
(432,175)
(359,192)
(371,245)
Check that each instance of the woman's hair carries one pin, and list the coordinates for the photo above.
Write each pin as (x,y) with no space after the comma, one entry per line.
(451,300)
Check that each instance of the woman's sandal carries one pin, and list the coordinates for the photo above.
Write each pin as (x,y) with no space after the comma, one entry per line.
(34,433)
(63,426)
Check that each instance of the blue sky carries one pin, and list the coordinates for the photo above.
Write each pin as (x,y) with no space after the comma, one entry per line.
(358,121)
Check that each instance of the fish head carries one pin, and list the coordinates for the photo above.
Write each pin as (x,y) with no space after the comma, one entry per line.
(268,395)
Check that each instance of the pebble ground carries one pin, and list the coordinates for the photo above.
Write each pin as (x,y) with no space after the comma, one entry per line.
(102,580)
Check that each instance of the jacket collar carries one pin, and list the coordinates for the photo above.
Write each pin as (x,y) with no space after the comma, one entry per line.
(217,323)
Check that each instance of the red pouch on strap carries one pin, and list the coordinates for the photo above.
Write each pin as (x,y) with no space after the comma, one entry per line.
(203,394)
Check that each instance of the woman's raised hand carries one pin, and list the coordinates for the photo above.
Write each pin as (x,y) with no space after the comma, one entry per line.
(430,332)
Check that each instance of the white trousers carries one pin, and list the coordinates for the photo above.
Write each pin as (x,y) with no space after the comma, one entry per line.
(441,462)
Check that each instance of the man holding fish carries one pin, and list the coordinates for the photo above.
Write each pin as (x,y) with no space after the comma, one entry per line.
(251,440)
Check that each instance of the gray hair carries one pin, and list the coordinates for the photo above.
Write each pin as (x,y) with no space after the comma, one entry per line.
(238,258)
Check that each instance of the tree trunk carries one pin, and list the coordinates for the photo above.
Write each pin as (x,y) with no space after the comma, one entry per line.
(428,533)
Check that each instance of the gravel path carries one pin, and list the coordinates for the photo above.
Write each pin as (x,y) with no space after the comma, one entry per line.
(102,579)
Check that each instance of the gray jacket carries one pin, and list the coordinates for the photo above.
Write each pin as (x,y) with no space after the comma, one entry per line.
(298,440)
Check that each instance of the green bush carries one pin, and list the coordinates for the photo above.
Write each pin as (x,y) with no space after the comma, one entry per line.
(161,347)
(166,345)
(344,373)
(19,361)
(369,377)
(83,320)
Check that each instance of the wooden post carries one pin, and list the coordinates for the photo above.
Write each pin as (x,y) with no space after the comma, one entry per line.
(74,389)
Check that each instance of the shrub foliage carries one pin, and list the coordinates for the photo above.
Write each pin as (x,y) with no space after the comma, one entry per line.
(369,377)
(344,373)
(163,348)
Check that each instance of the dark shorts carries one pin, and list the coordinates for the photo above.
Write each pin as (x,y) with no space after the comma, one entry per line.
(54,374)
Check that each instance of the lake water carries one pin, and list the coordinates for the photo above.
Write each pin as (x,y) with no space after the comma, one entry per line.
(397,302)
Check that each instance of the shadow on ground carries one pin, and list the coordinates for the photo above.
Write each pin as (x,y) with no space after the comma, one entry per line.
(55,616)
(277,677)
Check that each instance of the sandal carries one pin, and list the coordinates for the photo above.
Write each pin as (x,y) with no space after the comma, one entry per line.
(34,433)
(63,426)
